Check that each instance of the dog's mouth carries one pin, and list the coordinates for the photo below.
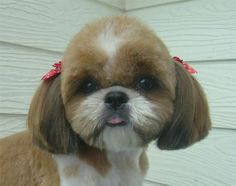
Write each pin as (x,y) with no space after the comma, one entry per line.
(115,120)
(116,117)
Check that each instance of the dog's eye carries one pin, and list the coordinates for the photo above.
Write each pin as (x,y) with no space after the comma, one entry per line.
(146,83)
(88,86)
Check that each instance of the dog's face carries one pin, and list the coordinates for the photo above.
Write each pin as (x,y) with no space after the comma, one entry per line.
(119,89)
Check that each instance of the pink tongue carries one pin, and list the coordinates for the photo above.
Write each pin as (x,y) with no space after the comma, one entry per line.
(115,120)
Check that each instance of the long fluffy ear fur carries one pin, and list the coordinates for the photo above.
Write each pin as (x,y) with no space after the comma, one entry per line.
(191,120)
(47,120)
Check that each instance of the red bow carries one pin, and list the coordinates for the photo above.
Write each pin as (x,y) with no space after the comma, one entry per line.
(54,72)
(185,65)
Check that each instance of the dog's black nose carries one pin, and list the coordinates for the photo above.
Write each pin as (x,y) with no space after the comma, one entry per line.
(116,98)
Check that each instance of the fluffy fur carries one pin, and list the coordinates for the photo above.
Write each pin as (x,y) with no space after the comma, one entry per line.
(72,139)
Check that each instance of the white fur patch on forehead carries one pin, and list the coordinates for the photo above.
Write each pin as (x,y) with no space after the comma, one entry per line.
(108,41)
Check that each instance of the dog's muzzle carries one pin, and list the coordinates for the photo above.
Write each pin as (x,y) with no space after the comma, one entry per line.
(115,102)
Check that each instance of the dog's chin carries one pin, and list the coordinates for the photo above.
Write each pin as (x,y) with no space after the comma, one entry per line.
(121,138)
(115,138)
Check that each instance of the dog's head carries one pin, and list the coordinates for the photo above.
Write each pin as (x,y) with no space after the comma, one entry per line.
(119,89)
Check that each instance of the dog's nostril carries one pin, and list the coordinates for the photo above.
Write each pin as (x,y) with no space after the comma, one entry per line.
(116,98)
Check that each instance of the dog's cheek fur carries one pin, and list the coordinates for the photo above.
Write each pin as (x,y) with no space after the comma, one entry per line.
(85,115)
(190,121)
(47,120)
(150,115)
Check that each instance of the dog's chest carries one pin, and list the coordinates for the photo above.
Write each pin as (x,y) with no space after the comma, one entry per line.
(75,172)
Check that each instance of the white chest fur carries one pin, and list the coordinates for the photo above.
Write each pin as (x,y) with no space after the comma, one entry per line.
(75,172)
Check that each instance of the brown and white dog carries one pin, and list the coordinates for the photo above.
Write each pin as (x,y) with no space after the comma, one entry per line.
(90,126)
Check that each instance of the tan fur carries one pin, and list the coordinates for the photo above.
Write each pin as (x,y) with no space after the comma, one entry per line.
(142,49)
(143,162)
(46,119)
(71,171)
(96,158)
(191,120)
(22,163)
(179,102)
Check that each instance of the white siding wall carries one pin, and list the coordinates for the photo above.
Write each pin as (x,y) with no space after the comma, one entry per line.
(33,34)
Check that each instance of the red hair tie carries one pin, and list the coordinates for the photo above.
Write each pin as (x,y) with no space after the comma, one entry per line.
(54,72)
(185,65)
(57,69)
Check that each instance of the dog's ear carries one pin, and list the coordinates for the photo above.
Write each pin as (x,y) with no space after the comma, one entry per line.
(47,120)
(190,121)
